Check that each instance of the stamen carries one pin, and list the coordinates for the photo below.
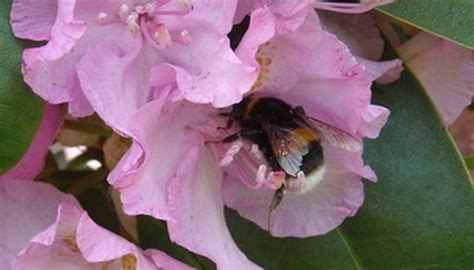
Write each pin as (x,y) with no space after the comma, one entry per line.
(101,18)
(298,183)
(186,3)
(132,22)
(256,152)
(260,177)
(124,12)
(275,179)
(185,37)
(162,36)
(231,152)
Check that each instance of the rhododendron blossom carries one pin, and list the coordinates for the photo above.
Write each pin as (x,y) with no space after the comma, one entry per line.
(172,172)
(445,69)
(190,37)
(163,74)
(73,241)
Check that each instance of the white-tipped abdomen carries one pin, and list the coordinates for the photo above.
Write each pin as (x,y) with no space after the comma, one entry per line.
(312,180)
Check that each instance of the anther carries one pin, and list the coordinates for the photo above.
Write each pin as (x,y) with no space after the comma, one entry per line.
(186,3)
(255,151)
(260,177)
(124,12)
(132,22)
(231,152)
(162,36)
(275,179)
(185,37)
(101,17)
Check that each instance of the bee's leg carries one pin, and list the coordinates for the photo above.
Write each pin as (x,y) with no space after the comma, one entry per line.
(300,110)
(232,138)
(276,200)
(228,125)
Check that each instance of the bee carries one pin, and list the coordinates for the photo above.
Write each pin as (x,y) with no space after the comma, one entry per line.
(289,140)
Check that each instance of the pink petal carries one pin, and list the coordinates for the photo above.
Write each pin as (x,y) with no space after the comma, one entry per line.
(261,29)
(31,204)
(74,241)
(358,32)
(198,212)
(99,245)
(338,196)
(161,142)
(333,79)
(164,261)
(445,69)
(33,160)
(111,78)
(384,72)
(56,82)
(215,75)
(31,19)
(284,57)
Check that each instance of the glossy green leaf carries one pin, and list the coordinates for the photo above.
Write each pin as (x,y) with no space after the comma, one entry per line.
(154,234)
(420,214)
(20,109)
(470,162)
(453,20)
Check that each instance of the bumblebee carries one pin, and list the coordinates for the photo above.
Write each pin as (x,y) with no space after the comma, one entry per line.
(289,140)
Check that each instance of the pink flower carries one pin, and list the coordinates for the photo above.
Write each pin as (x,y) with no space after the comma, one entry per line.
(172,174)
(32,162)
(154,77)
(27,208)
(140,34)
(74,240)
(446,71)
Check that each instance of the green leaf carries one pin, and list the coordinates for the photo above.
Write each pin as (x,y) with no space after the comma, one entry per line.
(452,20)
(20,109)
(469,162)
(154,234)
(420,214)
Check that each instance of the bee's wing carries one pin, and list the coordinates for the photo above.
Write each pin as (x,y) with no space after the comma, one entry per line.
(334,136)
(288,146)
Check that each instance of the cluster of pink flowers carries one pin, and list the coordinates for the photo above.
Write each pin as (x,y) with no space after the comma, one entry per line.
(159,72)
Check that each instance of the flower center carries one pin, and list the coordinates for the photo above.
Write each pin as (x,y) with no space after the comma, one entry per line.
(145,17)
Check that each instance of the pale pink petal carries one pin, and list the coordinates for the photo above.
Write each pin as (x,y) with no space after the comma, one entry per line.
(358,32)
(74,241)
(215,75)
(26,208)
(198,212)
(33,160)
(51,70)
(110,77)
(336,89)
(383,72)
(338,196)
(445,69)
(288,15)
(161,142)
(99,245)
(284,57)
(261,29)
(65,33)
(164,261)
(32,19)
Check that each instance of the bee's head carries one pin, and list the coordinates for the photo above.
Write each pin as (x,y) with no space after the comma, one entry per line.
(238,110)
